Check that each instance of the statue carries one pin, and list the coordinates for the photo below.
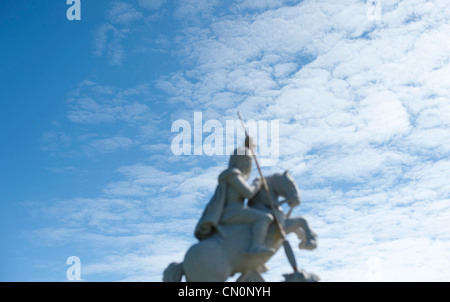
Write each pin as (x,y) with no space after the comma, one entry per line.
(227,205)
(238,238)
(234,238)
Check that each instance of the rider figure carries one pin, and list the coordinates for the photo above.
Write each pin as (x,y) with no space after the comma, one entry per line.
(227,206)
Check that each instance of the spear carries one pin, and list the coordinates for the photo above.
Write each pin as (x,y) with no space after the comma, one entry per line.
(286,244)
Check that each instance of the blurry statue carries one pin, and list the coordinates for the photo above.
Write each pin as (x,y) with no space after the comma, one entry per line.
(228,207)
(240,237)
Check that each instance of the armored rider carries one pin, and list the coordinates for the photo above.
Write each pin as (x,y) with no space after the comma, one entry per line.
(227,205)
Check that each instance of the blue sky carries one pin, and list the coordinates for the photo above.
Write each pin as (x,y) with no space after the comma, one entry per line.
(87,108)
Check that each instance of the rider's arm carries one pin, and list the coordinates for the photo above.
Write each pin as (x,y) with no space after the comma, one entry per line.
(242,187)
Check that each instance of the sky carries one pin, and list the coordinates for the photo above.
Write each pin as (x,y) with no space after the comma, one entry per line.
(359,89)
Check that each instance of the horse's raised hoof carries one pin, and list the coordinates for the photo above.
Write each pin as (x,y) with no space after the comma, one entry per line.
(307,245)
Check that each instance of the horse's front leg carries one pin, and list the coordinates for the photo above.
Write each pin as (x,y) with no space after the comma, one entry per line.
(300,226)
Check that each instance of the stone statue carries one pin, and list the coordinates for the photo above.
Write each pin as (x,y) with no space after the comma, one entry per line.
(227,205)
(238,238)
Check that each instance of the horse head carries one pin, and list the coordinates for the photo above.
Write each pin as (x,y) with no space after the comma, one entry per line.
(280,184)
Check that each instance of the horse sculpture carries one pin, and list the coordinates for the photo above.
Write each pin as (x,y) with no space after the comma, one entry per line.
(222,255)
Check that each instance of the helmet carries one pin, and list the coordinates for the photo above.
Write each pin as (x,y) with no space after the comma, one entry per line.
(241,159)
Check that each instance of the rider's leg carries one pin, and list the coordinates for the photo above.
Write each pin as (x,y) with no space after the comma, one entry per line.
(260,224)
(259,232)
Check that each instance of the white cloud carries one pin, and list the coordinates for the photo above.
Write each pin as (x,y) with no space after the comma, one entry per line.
(68,170)
(108,41)
(92,103)
(53,141)
(284,69)
(261,4)
(195,10)
(104,119)
(131,225)
(111,144)
(123,13)
(383,116)
(109,37)
(151,4)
